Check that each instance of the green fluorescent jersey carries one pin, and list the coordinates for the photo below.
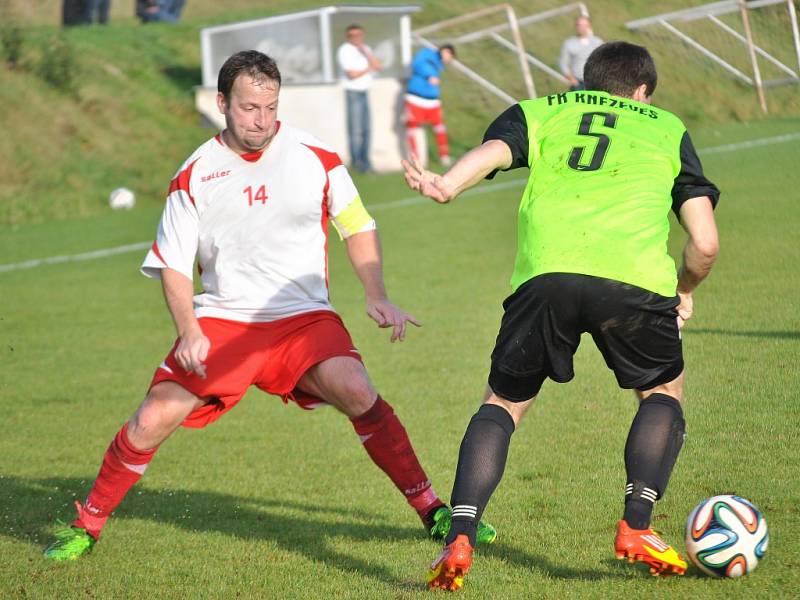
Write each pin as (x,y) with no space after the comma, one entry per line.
(604,173)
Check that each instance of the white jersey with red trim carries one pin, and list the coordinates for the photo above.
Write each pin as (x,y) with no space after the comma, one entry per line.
(257,224)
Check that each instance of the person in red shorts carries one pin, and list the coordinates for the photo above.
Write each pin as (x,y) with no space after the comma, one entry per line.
(252,206)
(423,103)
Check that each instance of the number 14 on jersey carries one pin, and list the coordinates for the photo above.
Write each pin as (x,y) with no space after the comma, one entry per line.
(259,196)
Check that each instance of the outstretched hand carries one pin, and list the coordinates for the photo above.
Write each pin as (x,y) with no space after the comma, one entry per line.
(427,182)
(386,314)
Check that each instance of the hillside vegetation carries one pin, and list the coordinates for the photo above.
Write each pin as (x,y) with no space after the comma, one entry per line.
(94,108)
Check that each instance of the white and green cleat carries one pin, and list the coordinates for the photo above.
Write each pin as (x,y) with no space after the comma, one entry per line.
(71,543)
(442,519)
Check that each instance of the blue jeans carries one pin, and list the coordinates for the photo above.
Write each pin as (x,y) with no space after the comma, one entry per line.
(92,7)
(358,129)
(169,11)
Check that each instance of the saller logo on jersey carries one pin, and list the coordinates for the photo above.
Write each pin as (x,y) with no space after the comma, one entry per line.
(214,175)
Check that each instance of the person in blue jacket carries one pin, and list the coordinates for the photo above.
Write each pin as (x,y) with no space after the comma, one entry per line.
(423,104)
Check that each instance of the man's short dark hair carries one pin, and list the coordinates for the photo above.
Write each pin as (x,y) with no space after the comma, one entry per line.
(353,27)
(448,47)
(251,62)
(619,68)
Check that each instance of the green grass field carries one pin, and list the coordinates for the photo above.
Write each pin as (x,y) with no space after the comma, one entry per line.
(273,502)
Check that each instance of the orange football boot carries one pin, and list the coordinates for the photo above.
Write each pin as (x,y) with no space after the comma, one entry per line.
(645,545)
(451,566)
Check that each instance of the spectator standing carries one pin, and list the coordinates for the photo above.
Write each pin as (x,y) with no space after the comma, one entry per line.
(357,63)
(575,50)
(423,103)
(82,12)
(98,9)
(165,11)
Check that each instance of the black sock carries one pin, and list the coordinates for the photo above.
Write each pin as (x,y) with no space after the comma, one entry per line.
(654,441)
(481,462)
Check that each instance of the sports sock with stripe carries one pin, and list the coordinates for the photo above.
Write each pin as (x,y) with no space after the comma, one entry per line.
(653,444)
(123,465)
(481,462)
(386,441)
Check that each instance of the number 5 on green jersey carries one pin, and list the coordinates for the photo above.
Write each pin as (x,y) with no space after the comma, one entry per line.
(585,128)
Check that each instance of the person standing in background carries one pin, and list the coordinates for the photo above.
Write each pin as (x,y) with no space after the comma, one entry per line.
(357,63)
(153,11)
(423,102)
(98,8)
(575,50)
(82,12)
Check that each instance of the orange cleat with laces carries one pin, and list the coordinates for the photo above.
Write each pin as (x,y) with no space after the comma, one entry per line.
(645,545)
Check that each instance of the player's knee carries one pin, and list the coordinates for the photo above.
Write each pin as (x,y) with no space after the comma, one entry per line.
(356,395)
(361,392)
(517,410)
(673,389)
(162,410)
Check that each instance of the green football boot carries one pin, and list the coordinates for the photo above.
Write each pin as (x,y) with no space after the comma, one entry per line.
(71,543)
(442,518)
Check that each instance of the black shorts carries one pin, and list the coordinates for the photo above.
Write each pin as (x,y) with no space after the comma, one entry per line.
(635,329)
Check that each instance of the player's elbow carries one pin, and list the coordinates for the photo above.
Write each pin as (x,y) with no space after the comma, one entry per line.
(707,247)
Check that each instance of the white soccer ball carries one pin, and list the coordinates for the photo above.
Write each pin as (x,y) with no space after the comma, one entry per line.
(122,199)
(726,536)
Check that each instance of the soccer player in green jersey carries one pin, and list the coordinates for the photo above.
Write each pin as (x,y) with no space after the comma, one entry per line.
(605,169)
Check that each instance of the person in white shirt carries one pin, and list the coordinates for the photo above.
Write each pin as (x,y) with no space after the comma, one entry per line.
(576,50)
(251,207)
(357,63)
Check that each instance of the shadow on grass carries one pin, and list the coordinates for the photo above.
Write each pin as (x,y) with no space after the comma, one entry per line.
(780,335)
(32,506)
(692,572)
(538,562)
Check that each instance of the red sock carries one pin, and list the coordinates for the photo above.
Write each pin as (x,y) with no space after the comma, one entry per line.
(386,441)
(123,465)
(411,139)
(441,140)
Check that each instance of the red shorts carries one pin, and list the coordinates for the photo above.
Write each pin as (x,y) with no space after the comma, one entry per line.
(419,115)
(273,356)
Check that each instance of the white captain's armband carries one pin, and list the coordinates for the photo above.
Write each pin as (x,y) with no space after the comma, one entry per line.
(353,219)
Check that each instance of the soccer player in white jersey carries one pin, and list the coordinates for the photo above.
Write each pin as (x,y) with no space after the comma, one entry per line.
(252,205)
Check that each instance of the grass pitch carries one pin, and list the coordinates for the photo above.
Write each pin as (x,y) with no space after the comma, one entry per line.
(273,502)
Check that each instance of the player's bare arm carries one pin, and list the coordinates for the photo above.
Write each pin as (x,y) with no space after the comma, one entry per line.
(193,347)
(465,173)
(364,251)
(700,252)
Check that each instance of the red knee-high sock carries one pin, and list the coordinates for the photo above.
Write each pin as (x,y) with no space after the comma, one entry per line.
(441,140)
(386,441)
(123,465)
(412,131)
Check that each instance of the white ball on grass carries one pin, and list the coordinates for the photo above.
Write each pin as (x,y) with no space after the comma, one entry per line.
(122,199)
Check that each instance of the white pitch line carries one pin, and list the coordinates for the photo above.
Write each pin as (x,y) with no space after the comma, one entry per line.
(410,201)
(768,141)
(52,260)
